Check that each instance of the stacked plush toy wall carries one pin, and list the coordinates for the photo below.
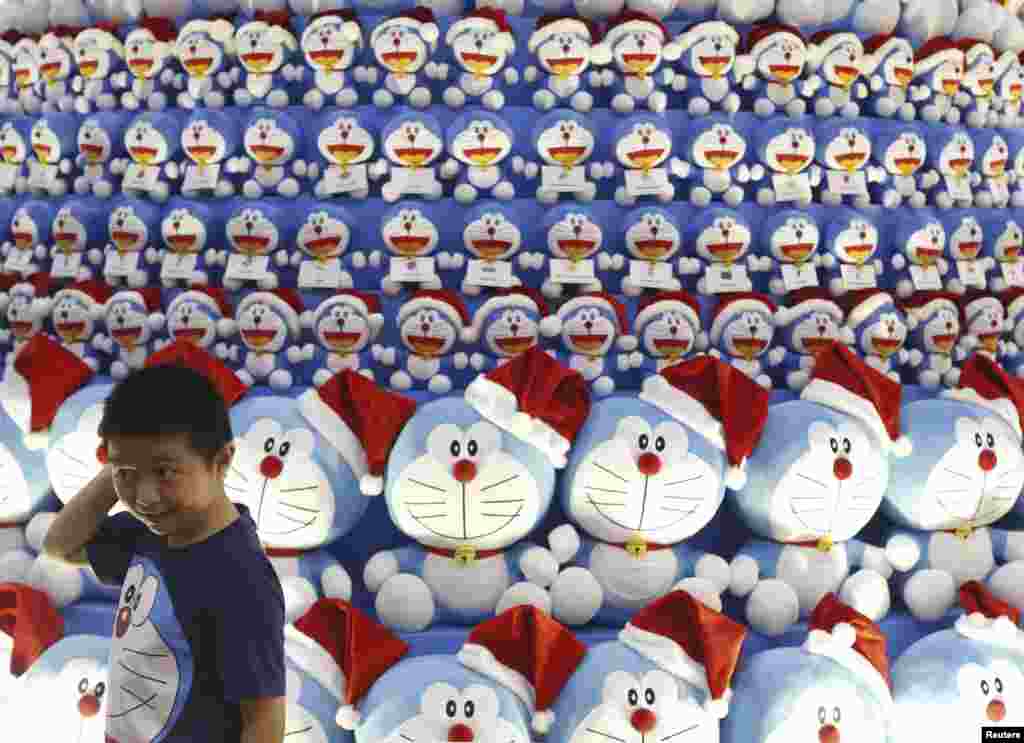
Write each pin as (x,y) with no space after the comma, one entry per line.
(581,357)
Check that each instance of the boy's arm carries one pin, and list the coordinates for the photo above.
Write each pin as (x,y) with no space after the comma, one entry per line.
(262,720)
(80,520)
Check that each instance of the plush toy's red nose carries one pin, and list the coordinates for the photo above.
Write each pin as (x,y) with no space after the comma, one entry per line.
(649,464)
(271,467)
(460,733)
(101,453)
(828,734)
(464,470)
(987,460)
(643,720)
(88,706)
(124,618)
(842,468)
(996,710)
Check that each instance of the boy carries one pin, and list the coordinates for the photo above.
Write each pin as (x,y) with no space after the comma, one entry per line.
(198,647)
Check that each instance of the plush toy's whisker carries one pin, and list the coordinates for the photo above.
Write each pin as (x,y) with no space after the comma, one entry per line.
(680,732)
(608,471)
(142,703)
(604,503)
(956,474)
(684,497)
(501,515)
(500,482)
(819,483)
(299,731)
(686,480)
(299,490)
(239,474)
(430,516)
(426,485)
(605,490)
(307,509)
(509,500)
(427,503)
(302,524)
(679,510)
(606,735)
(63,452)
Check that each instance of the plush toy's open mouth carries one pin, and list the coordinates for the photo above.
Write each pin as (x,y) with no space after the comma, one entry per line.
(565,65)
(23,240)
(903,75)
(885,347)
(345,153)
(851,160)
(792,162)
(845,75)
(21,328)
(42,152)
(409,244)
(323,247)
(93,152)
(482,156)
(997,167)
(181,243)
(985,87)
(71,332)
(576,249)
(425,345)
(476,62)
(928,255)
(749,347)
(950,86)
(639,64)
(722,159)
(653,249)
(23,76)
(727,252)
(124,239)
(9,153)
(645,158)
(1011,252)
(513,345)
(566,155)
(907,165)
(672,347)
(265,153)
(859,253)
(960,165)
(989,341)
(341,342)
(143,155)
(258,61)
(797,252)
(784,72)
(258,337)
(50,70)
(715,66)
(141,66)
(943,343)
(65,240)
(198,66)
(400,61)
(327,58)
(589,342)
(251,243)
(491,250)
(970,250)
(88,67)
(414,156)
(127,337)
(192,335)
(1016,89)
(816,344)
(202,154)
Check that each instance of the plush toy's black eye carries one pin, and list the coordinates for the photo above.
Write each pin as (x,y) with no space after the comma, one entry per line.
(999,685)
(644,441)
(649,696)
(822,715)
(834,444)
(451,708)
(634,697)
(268,445)
(990,440)
(835,715)
(847,446)
(985,688)
(129,594)
(472,448)
(978,440)
(83,686)
(659,443)
(285,448)
(100,690)
(470,709)
(455,449)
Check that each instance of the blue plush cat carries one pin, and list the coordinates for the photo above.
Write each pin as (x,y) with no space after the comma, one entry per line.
(643,147)
(742,329)
(28,251)
(75,319)
(785,150)
(849,260)
(668,330)
(918,250)
(402,46)
(206,51)
(101,154)
(578,251)
(879,330)
(889,69)
(275,160)
(155,77)
(131,320)
(15,139)
(193,238)
(210,141)
(411,233)
(967,243)
(268,326)
(102,72)
(938,72)
(563,47)
(153,142)
(711,71)
(652,238)
(345,143)
(411,143)
(778,56)
(270,62)
(835,62)
(478,143)
(26,306)
(978,83)
(55,57)
(951,157)
(1004,245)
(481,44)
(564,141)
(345,325)
(492,235)
(809,324)
(721,239)
(844,156)
(994,160)
(54,143)
(331,43)
(715,151)
(934,322)
(508,323)
(132,257)
(257,233)
(901,151)
(790,240)
(324,238)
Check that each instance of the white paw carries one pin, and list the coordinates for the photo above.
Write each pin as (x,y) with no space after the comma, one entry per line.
(62,582)
(379,569)
(902,552)
(744,575)
(576,596)
(336,583)
(564,542)
(299,596)
(1007,583)
(929,594)
(867,592)
(405,603)
(524,594)
(539,566)
(773,607)
(715,570)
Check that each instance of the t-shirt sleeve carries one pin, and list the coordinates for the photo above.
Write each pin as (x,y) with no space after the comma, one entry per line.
(111,550)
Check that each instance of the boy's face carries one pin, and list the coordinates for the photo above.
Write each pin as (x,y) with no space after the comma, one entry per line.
(165,483)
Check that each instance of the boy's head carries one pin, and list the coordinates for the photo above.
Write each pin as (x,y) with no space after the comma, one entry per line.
(168,438)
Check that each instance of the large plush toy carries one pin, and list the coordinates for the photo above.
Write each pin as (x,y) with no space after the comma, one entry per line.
(966,473)
(478,143)
(15,136)
(900,151)
(785,151)
(835,63)
(502,441)
(491,234)
(643,145)
(742,328)
(28,251)
(206,51)
(345,325)
(918,250)
(810,323)
(715,152)
(977,88)
(481,44)
(563,46)
(843,154)
(411,142)
(578,250)
(402,46)
(564,141)
(78,227)
(815,481)
(154,76)
(711,73)
(55,57)
(969,267)
(983,322)
(345,144)
(101,144)
(26,307)
(508,323)
(720,240)
(76,315)
(851,242)
(938,71)
(153,142)
(1004,243)
(102,73)
(994,157)
(193,235)
(54,142)
(593,326)
(269,56)
(268,326)
(789,240)
(132,257)
(210,140)
(275,159)
(834,686)
(652,237)
(330,43)
(879,329)
(131,319)
(411,235)
(668,329)
(256,233)
(778,55)
(934,322)
(201,316)
(889,69)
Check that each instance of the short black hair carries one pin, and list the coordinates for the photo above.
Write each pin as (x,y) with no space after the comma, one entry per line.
(168,400)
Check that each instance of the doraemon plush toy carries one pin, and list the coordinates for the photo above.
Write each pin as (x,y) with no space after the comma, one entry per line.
(934,322)
(851,242)
(206,51)
(668,329)
(969,267)
(790,240)
(577,251)
(938,71)
(131,319)
(984,325)
(9,103)
(402,46)
(652,237)
(345,143)
(593,326)
(636,44)
(100,146)
(258,232)
(977,88)
(711,73)
(324,239)
(202,316)
(210,141)
(28,251)
(274,163)
(715,152)
(810,323)
(154,76)
(835,684)
(345,325)
(564,141)
(563,46)
(411,235)
(1011,299)
(879,330)
(785,151)
(507,324)
(133,256)
(843,153)
(51,168)
(503,440)
(778,56)
(742,328)
(1004,244)
(268,54)
(481,44)
(889,70)
(15,138)
(26,308)
(720,240)
(411,142)
(26,76)
(76,316)
(492,235)
(1008,90)
(330,43)
(267,324)
(835,63)
(815,481)
(643,144)
(918,252)
(478,143)
(57,70)
(153,142)
(78,227)
(900,151)
(102,73)
(966,473)
(993,159)
(193,239)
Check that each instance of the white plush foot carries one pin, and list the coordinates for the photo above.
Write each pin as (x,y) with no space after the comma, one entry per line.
(623,103)
(715,570)
(699,107)
(564,542)
(405,603)
(929,594)
(773,607)
(440,385)
(379,569)
(823,107)
(744,574)
(918,200)
(346,98)
(454,98)
(314,99)
(733,195)
(849,111)
(419,98)
(336,583)
(576,596)
(493,100)
(886,107)
(465,193)
(700,196)
(944,201)
(908,112)
(867,592)
(796,108)
(539,566)
(277,99)
(524,594)
(243,97)
(1007,583)
(401,380)
(657,102)
(765,197)
(731,104)
(583,102)
(764,108)
(383,99)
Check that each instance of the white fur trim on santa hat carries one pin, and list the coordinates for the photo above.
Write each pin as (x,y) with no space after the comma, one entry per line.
(337,434)
(773,38)
(731,310)
(837,397)
(1003,62)
(374,319)
(613,34)
(1001,406)
(543,721)
(418,303)
(934,304)
(708,28)
(837,645)
(313,659)
(499,405)
(649,312)
(285,37)
(427,31)
(933,61)
(862,311)
(657,391)
(976,50)
(667,654)
(625,342)
(825,47)
(349,29)
(507,39)
(480,659)
(999,631)
(561,26)
(872,60)
(980,304)
(285,310)
(494,304)
(786,315)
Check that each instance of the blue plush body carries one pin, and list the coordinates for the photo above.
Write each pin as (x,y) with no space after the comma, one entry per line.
(133,230)
(31,235)
(153,141)
(851,239)
(51,172)
(211,140)
(101,154)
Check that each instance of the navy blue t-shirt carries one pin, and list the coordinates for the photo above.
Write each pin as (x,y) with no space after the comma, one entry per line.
(197,630)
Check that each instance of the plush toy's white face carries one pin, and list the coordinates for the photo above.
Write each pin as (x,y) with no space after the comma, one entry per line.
(192,322)
(400,49)
(838,712)
(24,318)
(942,331)
(428,332)
(668,335)
(575,237)
(645,146)
(636,709)
(857,243)
(24,230)
(905,155)
(145,144)
(638,52)
(261,328)
(252,233)
(447,713)
(842,65)
(885,336)
(345,143)
(566,143)
(492,237)
(748,335)
(995,158)
(126,324)
(815,333)
(69,235)
(1009,243)
(1011,84)
(343,328)
(719,148)
(464,490)
(46,144)
(987,326)
(652,238)
(723,241)
(966,241)
(76,699)
(480,51)
(898,68)
(200,55)
(183,232)
(925,246)
(327,48)
(55,60)
(203,144)
(94,143)
(323,237)
(795,241)
(26,68)
(260,48)
(481,144)
(783,60)
(145,55)
(409,233)
(590,331)
(12,145)
(947,77)
(412,145)
(989,694)
(789,152)
(564,54)
(72,319)
(849,151)
(713,56)
(94,62)
(980,78)
(957,156)
(128,233)
(510,332)
(268,144)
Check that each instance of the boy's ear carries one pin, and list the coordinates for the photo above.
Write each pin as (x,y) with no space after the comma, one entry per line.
(224,458)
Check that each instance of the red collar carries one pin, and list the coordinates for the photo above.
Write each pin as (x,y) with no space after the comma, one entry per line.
(963,532)
(284,552)
(11,525)
(454,554)
(824,544)
(631,547)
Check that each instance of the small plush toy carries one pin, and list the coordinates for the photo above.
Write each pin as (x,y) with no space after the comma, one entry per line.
(402,46)
(26,307)
(268,54)
(791,240)
(889,68)
(778,55)
(508,323)
(984,325)
(78,227)
(969,266)
(9,103)
(15,136)
(481,43)
(132,257)
(1004,244)
(810,323)
(345,325)
(966,440)
(711,73)
(76,316)
(411,142)
(918,250)
(193,238)
(200,316)
(994,157)
(1014,307)
(102,73)
(267,323)
(668,329)
(478,143)
(900,151)
(54,142)
(977,89)
(938,72)
(951,157)
(256,233)
(411,235)
(206,51)
(564,141)
(643,143)
(785,150)
(721,239)
(57,69)
(100,146)
(330,43)
(844,156)
(28,252)
(742,328)
(153,142)
(324,239)
(652,238)
(131,319)
(1008,90)
(345,144)
(492,236)
(835,63)
(879,331)
(26,76)
(210,140)
(849,260)
(154,76)
(934,322)
(274,162)
(592,326)
(715,152)
(576,251)
(563,46)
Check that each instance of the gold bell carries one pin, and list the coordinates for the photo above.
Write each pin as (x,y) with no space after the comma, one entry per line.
(964,532)
(465,554)
(636,547)
(825,544)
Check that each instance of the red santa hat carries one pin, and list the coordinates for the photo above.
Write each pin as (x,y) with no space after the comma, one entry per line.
(551,24)
(285,302)
(419,19)
(974,48)
(191,356)
(731,305)
(844,382)
(808,299)
(877,48)
(934,53)
(212,298)
(849,638)
(36,286)
(64,32)
(444,301)
(1013,301)
(974,303)
(921,304)
(764,34)
(609,303)
(527,652)
(361,648)
(863,303)
(31,621)
(527,299)
(691,641)
(280,18)
(535,399)
(148,298)
(701,30)
(366,304)
(360,420)
(719,402)
(163,29)
(654,304)
(824,43)
(93,294)
(485,19)
(350,26)
(988,619)
(633,21)
(985,383)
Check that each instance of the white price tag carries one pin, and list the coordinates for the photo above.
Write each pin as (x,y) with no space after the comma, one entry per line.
(18,260)
(799,275)
(421,181)
(858,277)
(202,177)
(791,187)
(848,184)
(412,270)
(970,273)
(178,266)
(8,176)
(959,187)
(646,182)
(651,274)
(42,176)
(141,177)
(490,273)
(247,267)
(121,265)
(1013,273)
(1000,189)
(320,274)
(926,278)
(345,180)
(563,180)
(563,271)
(66,265)
(721,279)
